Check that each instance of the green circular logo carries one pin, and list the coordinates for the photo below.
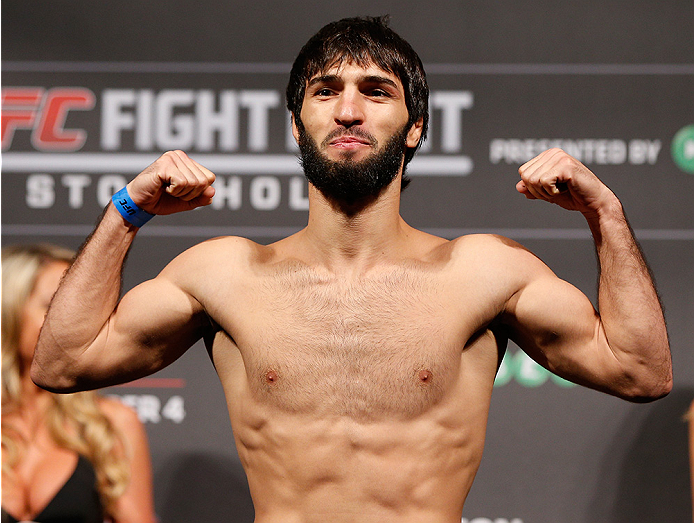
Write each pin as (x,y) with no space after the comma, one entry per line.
(683,149)
(526,372)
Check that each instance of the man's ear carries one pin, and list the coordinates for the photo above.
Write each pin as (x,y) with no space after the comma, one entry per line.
(415,134)
(295,129)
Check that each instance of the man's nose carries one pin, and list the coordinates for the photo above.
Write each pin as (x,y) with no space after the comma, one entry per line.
(349,110)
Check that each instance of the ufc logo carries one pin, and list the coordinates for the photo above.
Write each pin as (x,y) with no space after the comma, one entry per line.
(44,113)
(128,209)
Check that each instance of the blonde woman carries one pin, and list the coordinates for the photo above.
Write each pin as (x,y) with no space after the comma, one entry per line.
(68,458)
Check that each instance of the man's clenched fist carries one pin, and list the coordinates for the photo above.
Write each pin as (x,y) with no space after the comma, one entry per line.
(173,183)
(557,177)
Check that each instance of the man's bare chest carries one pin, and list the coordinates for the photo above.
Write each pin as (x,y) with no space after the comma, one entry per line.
(389,343)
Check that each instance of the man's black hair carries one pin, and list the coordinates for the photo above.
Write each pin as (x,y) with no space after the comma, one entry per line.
(363,41)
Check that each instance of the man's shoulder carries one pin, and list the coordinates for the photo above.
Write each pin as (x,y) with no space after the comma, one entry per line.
(484,244)
(222,255)
(222,249)
(491,251)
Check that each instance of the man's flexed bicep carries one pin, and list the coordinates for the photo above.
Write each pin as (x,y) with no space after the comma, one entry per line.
(152,326)
(557,325)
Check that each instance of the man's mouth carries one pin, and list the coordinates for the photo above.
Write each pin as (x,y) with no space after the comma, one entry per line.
(349,142)
(349,139)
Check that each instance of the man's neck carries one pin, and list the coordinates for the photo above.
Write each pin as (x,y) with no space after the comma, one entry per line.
(355,237)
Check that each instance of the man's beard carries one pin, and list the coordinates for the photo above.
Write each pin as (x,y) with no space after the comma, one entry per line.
(347,180)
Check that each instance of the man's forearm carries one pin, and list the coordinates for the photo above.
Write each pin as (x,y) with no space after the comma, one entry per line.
(629,306)
(86,298)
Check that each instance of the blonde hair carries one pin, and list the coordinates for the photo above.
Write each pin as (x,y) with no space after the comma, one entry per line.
(75,421)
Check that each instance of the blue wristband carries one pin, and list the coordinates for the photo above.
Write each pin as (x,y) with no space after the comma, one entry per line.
(131,212)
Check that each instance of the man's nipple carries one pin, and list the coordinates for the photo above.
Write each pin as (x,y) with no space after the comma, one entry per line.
(425,376)
(271,377)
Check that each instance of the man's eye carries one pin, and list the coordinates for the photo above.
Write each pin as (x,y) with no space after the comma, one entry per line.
(323,92)
(378,93)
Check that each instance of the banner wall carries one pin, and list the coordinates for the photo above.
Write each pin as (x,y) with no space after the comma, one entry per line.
(93,92)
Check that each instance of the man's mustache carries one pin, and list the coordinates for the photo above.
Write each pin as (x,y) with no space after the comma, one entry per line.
(352,131)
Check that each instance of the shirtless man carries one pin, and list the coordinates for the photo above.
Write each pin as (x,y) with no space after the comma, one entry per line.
(358,355)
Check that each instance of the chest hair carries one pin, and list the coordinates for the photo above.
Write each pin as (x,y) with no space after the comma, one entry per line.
(378,345)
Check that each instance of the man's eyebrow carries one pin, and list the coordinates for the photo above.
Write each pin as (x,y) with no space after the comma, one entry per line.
(332,78)
(324,78)
(376,79)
